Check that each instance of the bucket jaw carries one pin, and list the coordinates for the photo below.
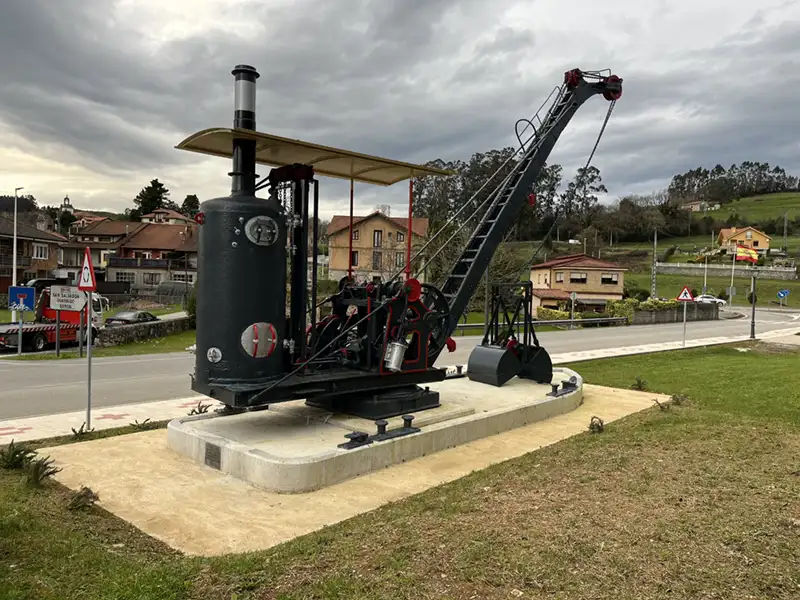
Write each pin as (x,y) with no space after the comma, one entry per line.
(496,365)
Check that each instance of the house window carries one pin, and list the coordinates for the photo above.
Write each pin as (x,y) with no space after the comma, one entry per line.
(377,238)
(577,277)
(609,278)
(400,236)
(354,258)
(152,278)
(755,243)
(559,277)
(749,235)
(180,277)
(355,234)
(399,259)
(40,251)
(376,260)
(128,276)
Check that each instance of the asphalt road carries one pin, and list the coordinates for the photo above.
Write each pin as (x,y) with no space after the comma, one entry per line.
(31,388)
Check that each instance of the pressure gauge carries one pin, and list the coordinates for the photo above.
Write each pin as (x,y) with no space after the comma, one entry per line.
(261,230)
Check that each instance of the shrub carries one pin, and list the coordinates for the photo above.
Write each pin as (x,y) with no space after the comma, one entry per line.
(622,308)
(548,314)
(723,295)
(751,297)
(659,305)
(191,306)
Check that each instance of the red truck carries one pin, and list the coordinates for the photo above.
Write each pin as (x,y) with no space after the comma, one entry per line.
(41,332)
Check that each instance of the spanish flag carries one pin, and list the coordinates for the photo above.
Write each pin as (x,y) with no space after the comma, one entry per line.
(747,254)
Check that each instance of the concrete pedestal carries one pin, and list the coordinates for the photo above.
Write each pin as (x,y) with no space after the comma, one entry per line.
(292,448)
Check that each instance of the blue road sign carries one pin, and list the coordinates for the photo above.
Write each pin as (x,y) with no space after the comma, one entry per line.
(783,293)
(21,298)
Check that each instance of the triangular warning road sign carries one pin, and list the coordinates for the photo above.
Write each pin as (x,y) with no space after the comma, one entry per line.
(685,295)
(86,278)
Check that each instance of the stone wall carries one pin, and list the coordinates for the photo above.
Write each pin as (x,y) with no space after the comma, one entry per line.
(694,312)
(724,270)
(126,334)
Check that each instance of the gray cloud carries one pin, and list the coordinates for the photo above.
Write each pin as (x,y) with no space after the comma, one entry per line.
(410,79)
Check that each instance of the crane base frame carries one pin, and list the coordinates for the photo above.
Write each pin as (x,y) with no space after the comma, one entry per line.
(381,404)
(354,392)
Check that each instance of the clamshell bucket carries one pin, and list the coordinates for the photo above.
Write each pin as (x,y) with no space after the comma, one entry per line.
(536,364)
(493,365)
(496,365)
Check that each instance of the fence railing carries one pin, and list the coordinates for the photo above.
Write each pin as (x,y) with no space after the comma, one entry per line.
(593,321)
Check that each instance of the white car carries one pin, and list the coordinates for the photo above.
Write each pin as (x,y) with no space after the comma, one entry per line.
(709,299)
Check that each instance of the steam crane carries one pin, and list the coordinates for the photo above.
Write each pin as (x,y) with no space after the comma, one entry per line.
(375,350)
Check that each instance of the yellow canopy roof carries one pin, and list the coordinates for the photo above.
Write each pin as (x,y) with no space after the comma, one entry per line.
(278,151)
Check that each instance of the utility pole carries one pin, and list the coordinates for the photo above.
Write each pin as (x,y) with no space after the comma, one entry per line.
(14,258)
(786,231)
(584,244)
(655,253)
(753,311)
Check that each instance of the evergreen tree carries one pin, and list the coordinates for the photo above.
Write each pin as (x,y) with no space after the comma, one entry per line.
(190,206)
(152,197)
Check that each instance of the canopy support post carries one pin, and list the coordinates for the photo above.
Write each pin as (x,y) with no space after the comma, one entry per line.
(410,231)
(350,247)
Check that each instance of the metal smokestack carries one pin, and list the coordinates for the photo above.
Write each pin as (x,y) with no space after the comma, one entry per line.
(243,176)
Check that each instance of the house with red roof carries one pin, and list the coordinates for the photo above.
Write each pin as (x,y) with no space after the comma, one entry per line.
(379,244)
(593,281)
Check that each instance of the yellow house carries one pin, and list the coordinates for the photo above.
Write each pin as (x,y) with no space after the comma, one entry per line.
(379,244)
(749,237)
(593,281)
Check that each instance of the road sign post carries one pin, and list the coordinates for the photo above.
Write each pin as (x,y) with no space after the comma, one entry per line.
(20,300)
(88,283)
(782,295)
(572,297)
(65,297)
(685,297)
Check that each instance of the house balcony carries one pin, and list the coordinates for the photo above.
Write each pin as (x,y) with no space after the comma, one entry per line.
(115,262)
(7,260)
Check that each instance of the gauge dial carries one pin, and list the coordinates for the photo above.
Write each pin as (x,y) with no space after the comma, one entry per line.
(261,230)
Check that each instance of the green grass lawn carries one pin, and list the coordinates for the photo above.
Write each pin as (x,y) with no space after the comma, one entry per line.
(760,208)
(669,286)
(177,342)
(698,501)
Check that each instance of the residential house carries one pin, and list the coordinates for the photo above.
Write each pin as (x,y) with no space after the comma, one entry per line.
(701,206)
(749,237)
(379,244)
(167,217)
(102,238)
(37,252)
(84,219)
(155,253)
(594,282)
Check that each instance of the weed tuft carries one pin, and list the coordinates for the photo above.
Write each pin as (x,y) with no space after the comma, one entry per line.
(40,470)
(15,456)
(596,425)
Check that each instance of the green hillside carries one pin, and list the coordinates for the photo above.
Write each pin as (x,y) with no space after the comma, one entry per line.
(759,208)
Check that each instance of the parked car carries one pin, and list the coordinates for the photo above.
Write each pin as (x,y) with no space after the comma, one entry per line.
(709,299)
(130,317)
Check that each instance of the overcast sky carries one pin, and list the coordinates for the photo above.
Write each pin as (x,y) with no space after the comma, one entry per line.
(95,94)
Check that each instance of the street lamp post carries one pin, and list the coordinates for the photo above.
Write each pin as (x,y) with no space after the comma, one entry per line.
(14,250)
